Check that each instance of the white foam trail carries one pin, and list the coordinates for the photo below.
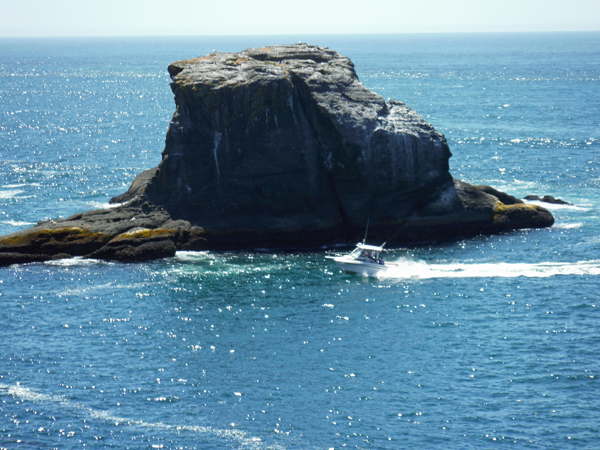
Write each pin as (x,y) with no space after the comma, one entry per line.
(75,261)
(187,256)
(558,207)
(567,226)
(26,394)
(102,205)
(224,265)
(79,290)
(422,270)
(10,194)
(17,223)
(12,186)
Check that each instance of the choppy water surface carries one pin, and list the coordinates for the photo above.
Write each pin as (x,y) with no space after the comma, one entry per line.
(483,343)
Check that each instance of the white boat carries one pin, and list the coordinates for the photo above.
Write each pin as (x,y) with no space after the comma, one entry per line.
(364,260)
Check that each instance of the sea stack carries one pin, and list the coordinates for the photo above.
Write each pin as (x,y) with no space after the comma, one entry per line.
(283,147)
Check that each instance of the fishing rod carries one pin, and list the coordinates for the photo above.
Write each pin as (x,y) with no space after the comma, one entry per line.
(394,235)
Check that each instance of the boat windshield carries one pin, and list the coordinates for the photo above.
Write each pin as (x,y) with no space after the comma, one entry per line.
(366,255)
(356,253)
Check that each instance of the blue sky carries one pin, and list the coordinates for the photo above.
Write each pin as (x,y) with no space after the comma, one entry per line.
(245,17)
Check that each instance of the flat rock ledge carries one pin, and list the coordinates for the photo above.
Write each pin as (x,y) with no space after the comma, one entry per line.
(132,232)
(281,147)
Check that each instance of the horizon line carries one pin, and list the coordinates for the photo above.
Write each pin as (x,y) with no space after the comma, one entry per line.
(294,34)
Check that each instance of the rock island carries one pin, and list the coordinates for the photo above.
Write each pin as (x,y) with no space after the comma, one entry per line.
(281,147)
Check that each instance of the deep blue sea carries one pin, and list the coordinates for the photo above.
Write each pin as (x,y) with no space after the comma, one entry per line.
(490,342)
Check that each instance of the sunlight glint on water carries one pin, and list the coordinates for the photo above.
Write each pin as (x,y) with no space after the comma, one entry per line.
(485,342)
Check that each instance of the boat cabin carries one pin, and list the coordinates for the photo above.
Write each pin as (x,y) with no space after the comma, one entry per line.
(367,253)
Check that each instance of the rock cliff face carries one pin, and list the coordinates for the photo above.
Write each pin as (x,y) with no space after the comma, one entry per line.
(282,147)
(286,141)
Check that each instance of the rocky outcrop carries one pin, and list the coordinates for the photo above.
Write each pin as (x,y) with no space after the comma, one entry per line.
(137,187)
(282,147)
(547,199)
(503,197)
(138,244)
(135,231)
(464,210)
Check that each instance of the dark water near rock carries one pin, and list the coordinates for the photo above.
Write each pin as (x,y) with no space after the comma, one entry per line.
(490,342)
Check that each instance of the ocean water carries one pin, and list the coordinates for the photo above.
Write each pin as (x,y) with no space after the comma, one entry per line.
(490,342)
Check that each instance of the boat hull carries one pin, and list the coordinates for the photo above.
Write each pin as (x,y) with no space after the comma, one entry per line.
(361,268)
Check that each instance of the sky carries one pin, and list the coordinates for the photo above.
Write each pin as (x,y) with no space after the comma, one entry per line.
(20,18)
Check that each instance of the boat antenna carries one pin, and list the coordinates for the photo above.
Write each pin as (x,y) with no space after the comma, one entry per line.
(366,231)
(394,235)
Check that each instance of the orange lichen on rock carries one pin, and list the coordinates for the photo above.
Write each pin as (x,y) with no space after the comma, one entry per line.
(239,61)
(48,236)
(65,241)
(521,215)
(143,234)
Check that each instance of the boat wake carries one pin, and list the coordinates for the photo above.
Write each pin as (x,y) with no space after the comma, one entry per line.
(422,270)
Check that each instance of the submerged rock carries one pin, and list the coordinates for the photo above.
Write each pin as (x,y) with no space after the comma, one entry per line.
(547,199)
(283,147)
